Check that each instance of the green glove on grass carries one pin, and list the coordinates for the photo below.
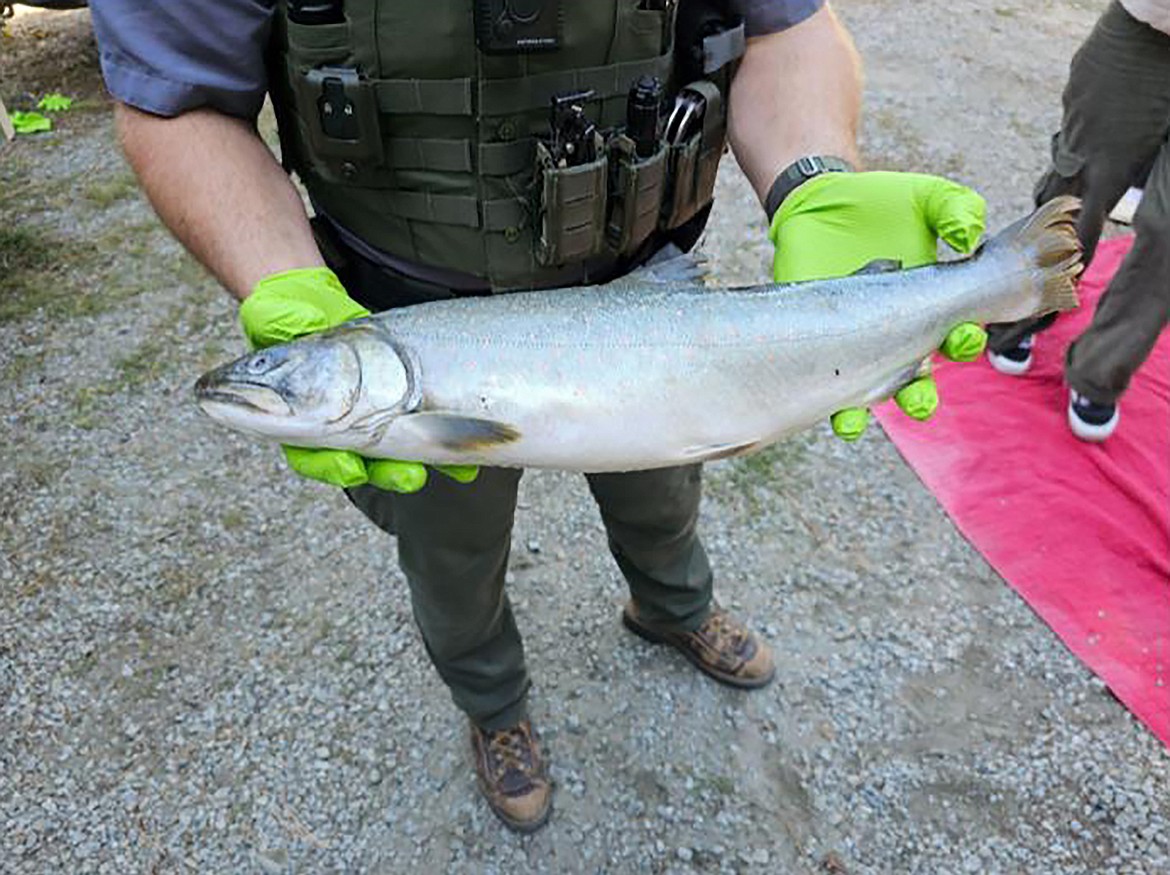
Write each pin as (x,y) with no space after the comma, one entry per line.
(291,304)
(837,223)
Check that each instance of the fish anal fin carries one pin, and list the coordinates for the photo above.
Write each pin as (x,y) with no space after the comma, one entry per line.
(459,433)
(900,378)
(715,452)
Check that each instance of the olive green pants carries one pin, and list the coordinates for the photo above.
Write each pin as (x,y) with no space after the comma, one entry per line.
(454,540)
(1114,135)
(453,544)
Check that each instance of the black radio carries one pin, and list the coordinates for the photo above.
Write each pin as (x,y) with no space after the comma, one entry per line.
(511,26)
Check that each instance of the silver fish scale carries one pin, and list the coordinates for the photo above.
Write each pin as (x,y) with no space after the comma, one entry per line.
(605,379)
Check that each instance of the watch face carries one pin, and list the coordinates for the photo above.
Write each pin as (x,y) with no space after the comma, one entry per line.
(810,166)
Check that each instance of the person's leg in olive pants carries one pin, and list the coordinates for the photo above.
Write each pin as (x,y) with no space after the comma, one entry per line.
(650,517)
(453,544)
(1135,308)
(1116,119)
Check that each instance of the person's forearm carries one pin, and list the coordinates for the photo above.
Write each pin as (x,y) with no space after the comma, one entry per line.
(221,192)
(797,92)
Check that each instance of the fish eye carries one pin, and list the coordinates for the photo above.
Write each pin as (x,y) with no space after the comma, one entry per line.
(265,361)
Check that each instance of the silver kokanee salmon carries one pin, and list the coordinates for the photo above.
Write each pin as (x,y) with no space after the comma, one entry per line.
(651,370)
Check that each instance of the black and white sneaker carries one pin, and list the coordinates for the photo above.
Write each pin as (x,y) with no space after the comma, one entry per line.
(1014,361)
(1089,420)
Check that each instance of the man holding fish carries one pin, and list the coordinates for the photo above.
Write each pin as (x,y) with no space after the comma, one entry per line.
(461,149)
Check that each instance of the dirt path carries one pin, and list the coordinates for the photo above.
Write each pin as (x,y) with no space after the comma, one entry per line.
(207,665)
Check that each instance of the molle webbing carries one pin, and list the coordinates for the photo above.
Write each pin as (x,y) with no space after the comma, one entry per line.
(496,97)
(446,171)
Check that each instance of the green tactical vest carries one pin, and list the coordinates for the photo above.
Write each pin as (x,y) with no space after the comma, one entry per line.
(407,134)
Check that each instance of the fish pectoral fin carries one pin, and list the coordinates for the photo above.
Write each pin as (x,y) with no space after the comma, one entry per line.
(452,431)
(879,265)
(714,452)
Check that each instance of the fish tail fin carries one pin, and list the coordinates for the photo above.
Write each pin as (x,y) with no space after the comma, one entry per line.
(1048,238)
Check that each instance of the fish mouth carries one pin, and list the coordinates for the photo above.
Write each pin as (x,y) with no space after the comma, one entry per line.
(241,394)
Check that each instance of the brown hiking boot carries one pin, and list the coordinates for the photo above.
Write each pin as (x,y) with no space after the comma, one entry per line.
(722,647)
(512,775)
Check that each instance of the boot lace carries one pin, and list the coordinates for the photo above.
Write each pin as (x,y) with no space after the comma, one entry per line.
(725,634)
(511,749)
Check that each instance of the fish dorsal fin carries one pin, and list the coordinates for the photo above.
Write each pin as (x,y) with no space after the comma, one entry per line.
(673,268)
(879,265)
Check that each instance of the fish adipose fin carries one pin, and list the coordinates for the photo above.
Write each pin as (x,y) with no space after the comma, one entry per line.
(460,433)
(1049,238)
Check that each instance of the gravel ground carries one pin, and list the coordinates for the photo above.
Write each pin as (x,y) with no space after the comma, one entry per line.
(208,665)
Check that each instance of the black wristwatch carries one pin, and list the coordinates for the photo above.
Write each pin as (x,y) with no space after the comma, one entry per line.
(798,172)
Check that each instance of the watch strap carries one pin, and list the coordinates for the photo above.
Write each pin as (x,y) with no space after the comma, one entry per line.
(799,172)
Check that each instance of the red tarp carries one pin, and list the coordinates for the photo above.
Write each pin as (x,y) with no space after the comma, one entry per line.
(1081,531)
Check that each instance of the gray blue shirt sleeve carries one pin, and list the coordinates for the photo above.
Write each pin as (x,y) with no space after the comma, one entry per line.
(170,56)
(771,16)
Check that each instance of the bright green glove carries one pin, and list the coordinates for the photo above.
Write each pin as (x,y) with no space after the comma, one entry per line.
(850,424)
(291,304)
(837,223)
(294,303)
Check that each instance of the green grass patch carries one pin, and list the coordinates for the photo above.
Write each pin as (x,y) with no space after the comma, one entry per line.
(141,367)
(144,365)
(215,353)
(23,250)
(775,462)
(106,192)
(177,585)
(45,266)
(21,365)
(69,278)
(89,106)
(82,665)
(752,480)
(38,473)
(35,265)
(42,270)
(26,191)
(191,272)
(87,405)
(722,785)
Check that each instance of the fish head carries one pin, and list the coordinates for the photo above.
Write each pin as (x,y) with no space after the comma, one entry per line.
(318,391)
